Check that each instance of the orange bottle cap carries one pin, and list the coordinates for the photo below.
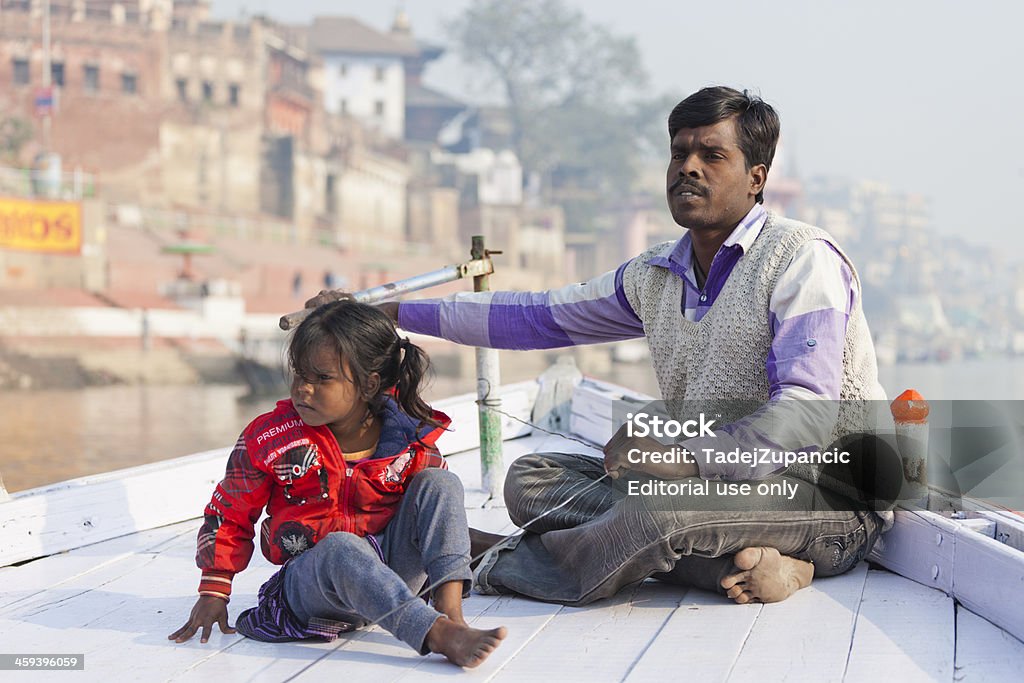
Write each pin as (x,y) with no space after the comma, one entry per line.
(910,408)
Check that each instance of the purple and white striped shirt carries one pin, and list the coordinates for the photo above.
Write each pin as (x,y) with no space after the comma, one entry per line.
(812,300)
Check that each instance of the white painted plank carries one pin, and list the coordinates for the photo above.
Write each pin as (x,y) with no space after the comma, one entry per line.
(904,632)
(700,641)
(979,525)
(600,642)
(50,572)
(494,520)
(920,547)
(985,652)
(375,649)
(525,620)
(92,509)
(988,578)
(808,636)
(596,398)
(952,556)
(596,432)
(590,416)
(251,660)
(121,622)
(379,657)
(1009,528)
(88,586)
(114,630)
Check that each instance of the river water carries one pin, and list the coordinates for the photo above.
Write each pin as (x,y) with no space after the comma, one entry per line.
(50,436)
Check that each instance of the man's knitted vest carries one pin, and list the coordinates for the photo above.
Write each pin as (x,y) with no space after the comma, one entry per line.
(719,362)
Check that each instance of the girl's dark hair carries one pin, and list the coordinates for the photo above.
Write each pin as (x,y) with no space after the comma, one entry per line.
(757,123)
(366,342)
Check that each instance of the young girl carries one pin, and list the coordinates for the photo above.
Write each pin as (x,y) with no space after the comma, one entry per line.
(362,511)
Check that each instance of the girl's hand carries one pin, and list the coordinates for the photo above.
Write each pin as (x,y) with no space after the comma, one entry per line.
(206,611)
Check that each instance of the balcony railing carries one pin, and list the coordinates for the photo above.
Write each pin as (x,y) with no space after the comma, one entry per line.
(47,184)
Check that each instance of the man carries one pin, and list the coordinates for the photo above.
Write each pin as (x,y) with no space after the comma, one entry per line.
(746,305)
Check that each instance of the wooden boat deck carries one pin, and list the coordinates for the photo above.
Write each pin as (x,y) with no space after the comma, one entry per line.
(116,600)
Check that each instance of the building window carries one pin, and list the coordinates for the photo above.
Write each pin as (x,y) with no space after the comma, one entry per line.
(21,75)
(182,86)
(233,94)
(91,78)
(207,91)
(57,73)
(129,83)
(378,107)
(379,74)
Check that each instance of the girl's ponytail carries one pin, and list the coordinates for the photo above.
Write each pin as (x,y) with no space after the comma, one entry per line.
(411,370)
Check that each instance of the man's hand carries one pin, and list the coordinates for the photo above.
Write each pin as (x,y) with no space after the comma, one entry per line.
(326,296)
(207,611)
(616,462)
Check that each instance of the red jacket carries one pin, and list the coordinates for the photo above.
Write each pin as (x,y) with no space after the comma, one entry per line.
(299,475)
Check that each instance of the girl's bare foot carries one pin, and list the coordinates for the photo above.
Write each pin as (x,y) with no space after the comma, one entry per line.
(480,542)
(766,575)
(448,601)
(462,645)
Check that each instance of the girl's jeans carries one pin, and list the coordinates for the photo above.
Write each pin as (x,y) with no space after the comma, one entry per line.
(343,578)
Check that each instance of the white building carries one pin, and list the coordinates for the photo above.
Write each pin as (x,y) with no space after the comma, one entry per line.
(363,72)
(498,175)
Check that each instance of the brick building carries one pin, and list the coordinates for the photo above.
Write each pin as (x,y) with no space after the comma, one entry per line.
(165,106)
(106,69)
(169,109)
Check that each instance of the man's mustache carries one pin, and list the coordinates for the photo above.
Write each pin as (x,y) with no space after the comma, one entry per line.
(690,185)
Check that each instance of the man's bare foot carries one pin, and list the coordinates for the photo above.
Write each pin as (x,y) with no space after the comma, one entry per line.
(766,575)
(480,542)
(462,645)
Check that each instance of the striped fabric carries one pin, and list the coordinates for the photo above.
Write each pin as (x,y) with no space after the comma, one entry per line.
(272,622)
(812,301)
(216,584)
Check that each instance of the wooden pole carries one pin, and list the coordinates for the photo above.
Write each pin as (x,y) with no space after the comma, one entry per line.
(488,380)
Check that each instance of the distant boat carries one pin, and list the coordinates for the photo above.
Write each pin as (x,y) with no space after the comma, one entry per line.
(261,363)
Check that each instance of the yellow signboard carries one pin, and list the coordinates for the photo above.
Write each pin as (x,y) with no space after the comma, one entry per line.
(50,227)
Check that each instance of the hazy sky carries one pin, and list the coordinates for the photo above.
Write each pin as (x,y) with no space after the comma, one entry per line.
(919,94)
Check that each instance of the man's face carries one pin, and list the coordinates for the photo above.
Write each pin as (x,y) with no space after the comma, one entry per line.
(709,185)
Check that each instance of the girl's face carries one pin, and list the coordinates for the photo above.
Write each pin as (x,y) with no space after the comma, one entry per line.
(328,397)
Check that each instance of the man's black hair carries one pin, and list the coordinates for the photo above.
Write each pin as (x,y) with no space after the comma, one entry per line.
(757,124)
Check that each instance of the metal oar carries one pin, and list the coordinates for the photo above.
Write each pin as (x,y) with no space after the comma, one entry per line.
(474,268)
